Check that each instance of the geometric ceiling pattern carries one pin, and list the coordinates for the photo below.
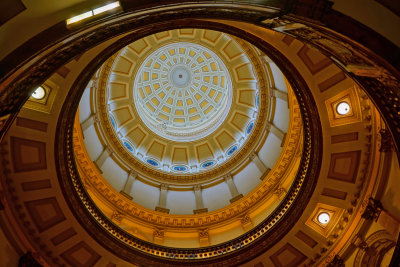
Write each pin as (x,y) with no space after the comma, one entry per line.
(349,175)
(182,91)
(182,102)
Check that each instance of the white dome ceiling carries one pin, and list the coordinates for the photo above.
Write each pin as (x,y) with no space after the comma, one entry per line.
(183,91)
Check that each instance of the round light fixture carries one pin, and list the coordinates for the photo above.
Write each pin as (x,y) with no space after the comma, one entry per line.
(324,217)
(343,108)
(39,93)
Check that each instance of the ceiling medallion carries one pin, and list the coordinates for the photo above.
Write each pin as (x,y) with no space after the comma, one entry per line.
(182,92)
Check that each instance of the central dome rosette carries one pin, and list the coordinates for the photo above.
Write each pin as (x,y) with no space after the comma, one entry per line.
(182,91)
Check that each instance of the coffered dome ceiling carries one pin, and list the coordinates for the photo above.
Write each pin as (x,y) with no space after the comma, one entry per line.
(183,122)
(176,86)
(182,91)
(196,147)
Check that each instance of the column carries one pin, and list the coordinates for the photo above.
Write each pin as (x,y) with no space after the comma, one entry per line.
(88,122)
(162,201)
(386,141)
(103,157)
(374,211)
(267,59)
(279,94)
(126,191)
(199,200)
(276,131)
(260,165)
(232,188)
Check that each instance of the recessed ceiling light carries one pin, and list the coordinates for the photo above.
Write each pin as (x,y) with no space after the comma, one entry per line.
(105,8)
(93,12)
(80,17)
(343,108)
(39,93)
(324,217)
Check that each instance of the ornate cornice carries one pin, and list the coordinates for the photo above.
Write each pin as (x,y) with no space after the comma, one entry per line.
(278,175)
(232,253)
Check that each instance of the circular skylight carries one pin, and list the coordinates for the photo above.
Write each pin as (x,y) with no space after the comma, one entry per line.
(324,217)
(39,93)
(182,91)
(343,108)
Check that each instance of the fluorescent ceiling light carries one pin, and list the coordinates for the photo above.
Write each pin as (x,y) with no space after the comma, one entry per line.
(80,17)
(105,8)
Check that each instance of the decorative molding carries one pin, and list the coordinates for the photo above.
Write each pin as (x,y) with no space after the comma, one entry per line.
(28,155)
(158,236)
(288,256)
(199,211)
(163,210)
(40,208)
(246,222)
(159,175)
(204,238)
(389,111)
(63,236)
(31,124)
(117,216)
(336,262)
(81,255)
(236,198)
(373,209)
(349,174)
(309,167)
(306,239)
(386,141)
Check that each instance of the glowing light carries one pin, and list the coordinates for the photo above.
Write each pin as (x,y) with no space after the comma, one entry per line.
(80,17)
(343,108)
(324,217)
(105,8)
(93,12)
(39,93)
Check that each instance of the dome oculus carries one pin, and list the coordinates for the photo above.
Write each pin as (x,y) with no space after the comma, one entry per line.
(182,91)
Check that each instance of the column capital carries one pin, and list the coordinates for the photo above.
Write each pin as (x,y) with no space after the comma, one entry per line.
(336,262)
(163,186)
(228,177)
(253,155)
(386,141)
(96,118)
(109,150)
(268,125)
(372,210)
(197,187)
(117,216)
(132,173)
